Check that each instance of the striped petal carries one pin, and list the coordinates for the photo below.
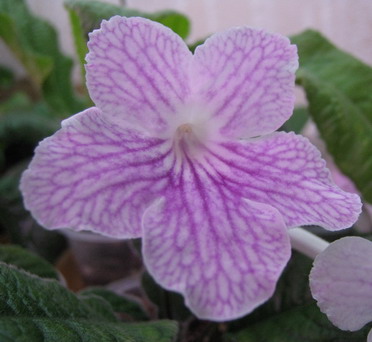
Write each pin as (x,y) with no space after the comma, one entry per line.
(286,172)
(246,77)
(93,175)
(137,72)
(222,252)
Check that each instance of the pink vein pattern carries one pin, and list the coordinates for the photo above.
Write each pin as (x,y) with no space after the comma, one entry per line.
(93,175)
(137,71)
(223,252)
(287,172)
(246,77)
(159,158)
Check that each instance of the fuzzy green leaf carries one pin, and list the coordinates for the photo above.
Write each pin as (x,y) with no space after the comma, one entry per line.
(305,324)
(35,309)
(72,330)
(338,89)
(118,303)
(25,260)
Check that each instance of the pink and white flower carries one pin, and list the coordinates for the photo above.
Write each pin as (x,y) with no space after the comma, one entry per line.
(181,151)
(341,282)
(364,223)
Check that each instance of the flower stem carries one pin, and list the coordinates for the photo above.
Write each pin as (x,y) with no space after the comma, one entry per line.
(307,243)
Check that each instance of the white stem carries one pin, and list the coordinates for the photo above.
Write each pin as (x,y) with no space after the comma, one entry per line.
(307,243)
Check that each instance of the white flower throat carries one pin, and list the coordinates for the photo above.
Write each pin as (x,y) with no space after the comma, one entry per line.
(187,141)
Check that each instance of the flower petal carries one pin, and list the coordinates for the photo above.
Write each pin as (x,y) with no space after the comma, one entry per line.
(223,253)
(247,77)
(285,171)
(137,72)
(341,282)
(94,175)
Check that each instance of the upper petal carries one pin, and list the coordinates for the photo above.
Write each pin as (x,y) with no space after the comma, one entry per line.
(285,171)
(341,282)
(246,77)
(222,252)
(93,175)
(137,72)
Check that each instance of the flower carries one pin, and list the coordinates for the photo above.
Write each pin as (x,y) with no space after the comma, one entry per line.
(180,151)
(341,282)
(364,223)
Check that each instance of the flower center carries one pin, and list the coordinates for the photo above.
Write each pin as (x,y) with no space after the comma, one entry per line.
(186,140)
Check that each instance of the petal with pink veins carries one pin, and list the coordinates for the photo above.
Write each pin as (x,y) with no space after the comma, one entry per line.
(222,252)
(137,72)
(341,282)
(246,77)
(93,175)
(286,172)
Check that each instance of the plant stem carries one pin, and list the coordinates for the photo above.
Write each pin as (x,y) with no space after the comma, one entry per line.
(307,243)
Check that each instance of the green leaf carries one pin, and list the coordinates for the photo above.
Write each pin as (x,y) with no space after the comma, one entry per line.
(23,294)
(71,330)
(37,65)
(176,21)
(79,39)
(35,43)
(118,303)
(338,90)
(92,12)
(35,309)
(27,261)
(193,46)
(6,78)
(297,121)
(305,324)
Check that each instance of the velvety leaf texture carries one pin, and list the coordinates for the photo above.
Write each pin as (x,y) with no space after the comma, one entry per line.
(27,261)
(24,294)
(306,324)
(34,309)
(71,330)
(35,43)
(338,90)
(119,304)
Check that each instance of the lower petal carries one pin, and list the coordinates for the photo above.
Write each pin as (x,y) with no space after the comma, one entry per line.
(341,282)
(95,176)
(223,253)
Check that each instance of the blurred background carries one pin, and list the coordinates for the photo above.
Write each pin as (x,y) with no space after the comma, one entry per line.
(347,23)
